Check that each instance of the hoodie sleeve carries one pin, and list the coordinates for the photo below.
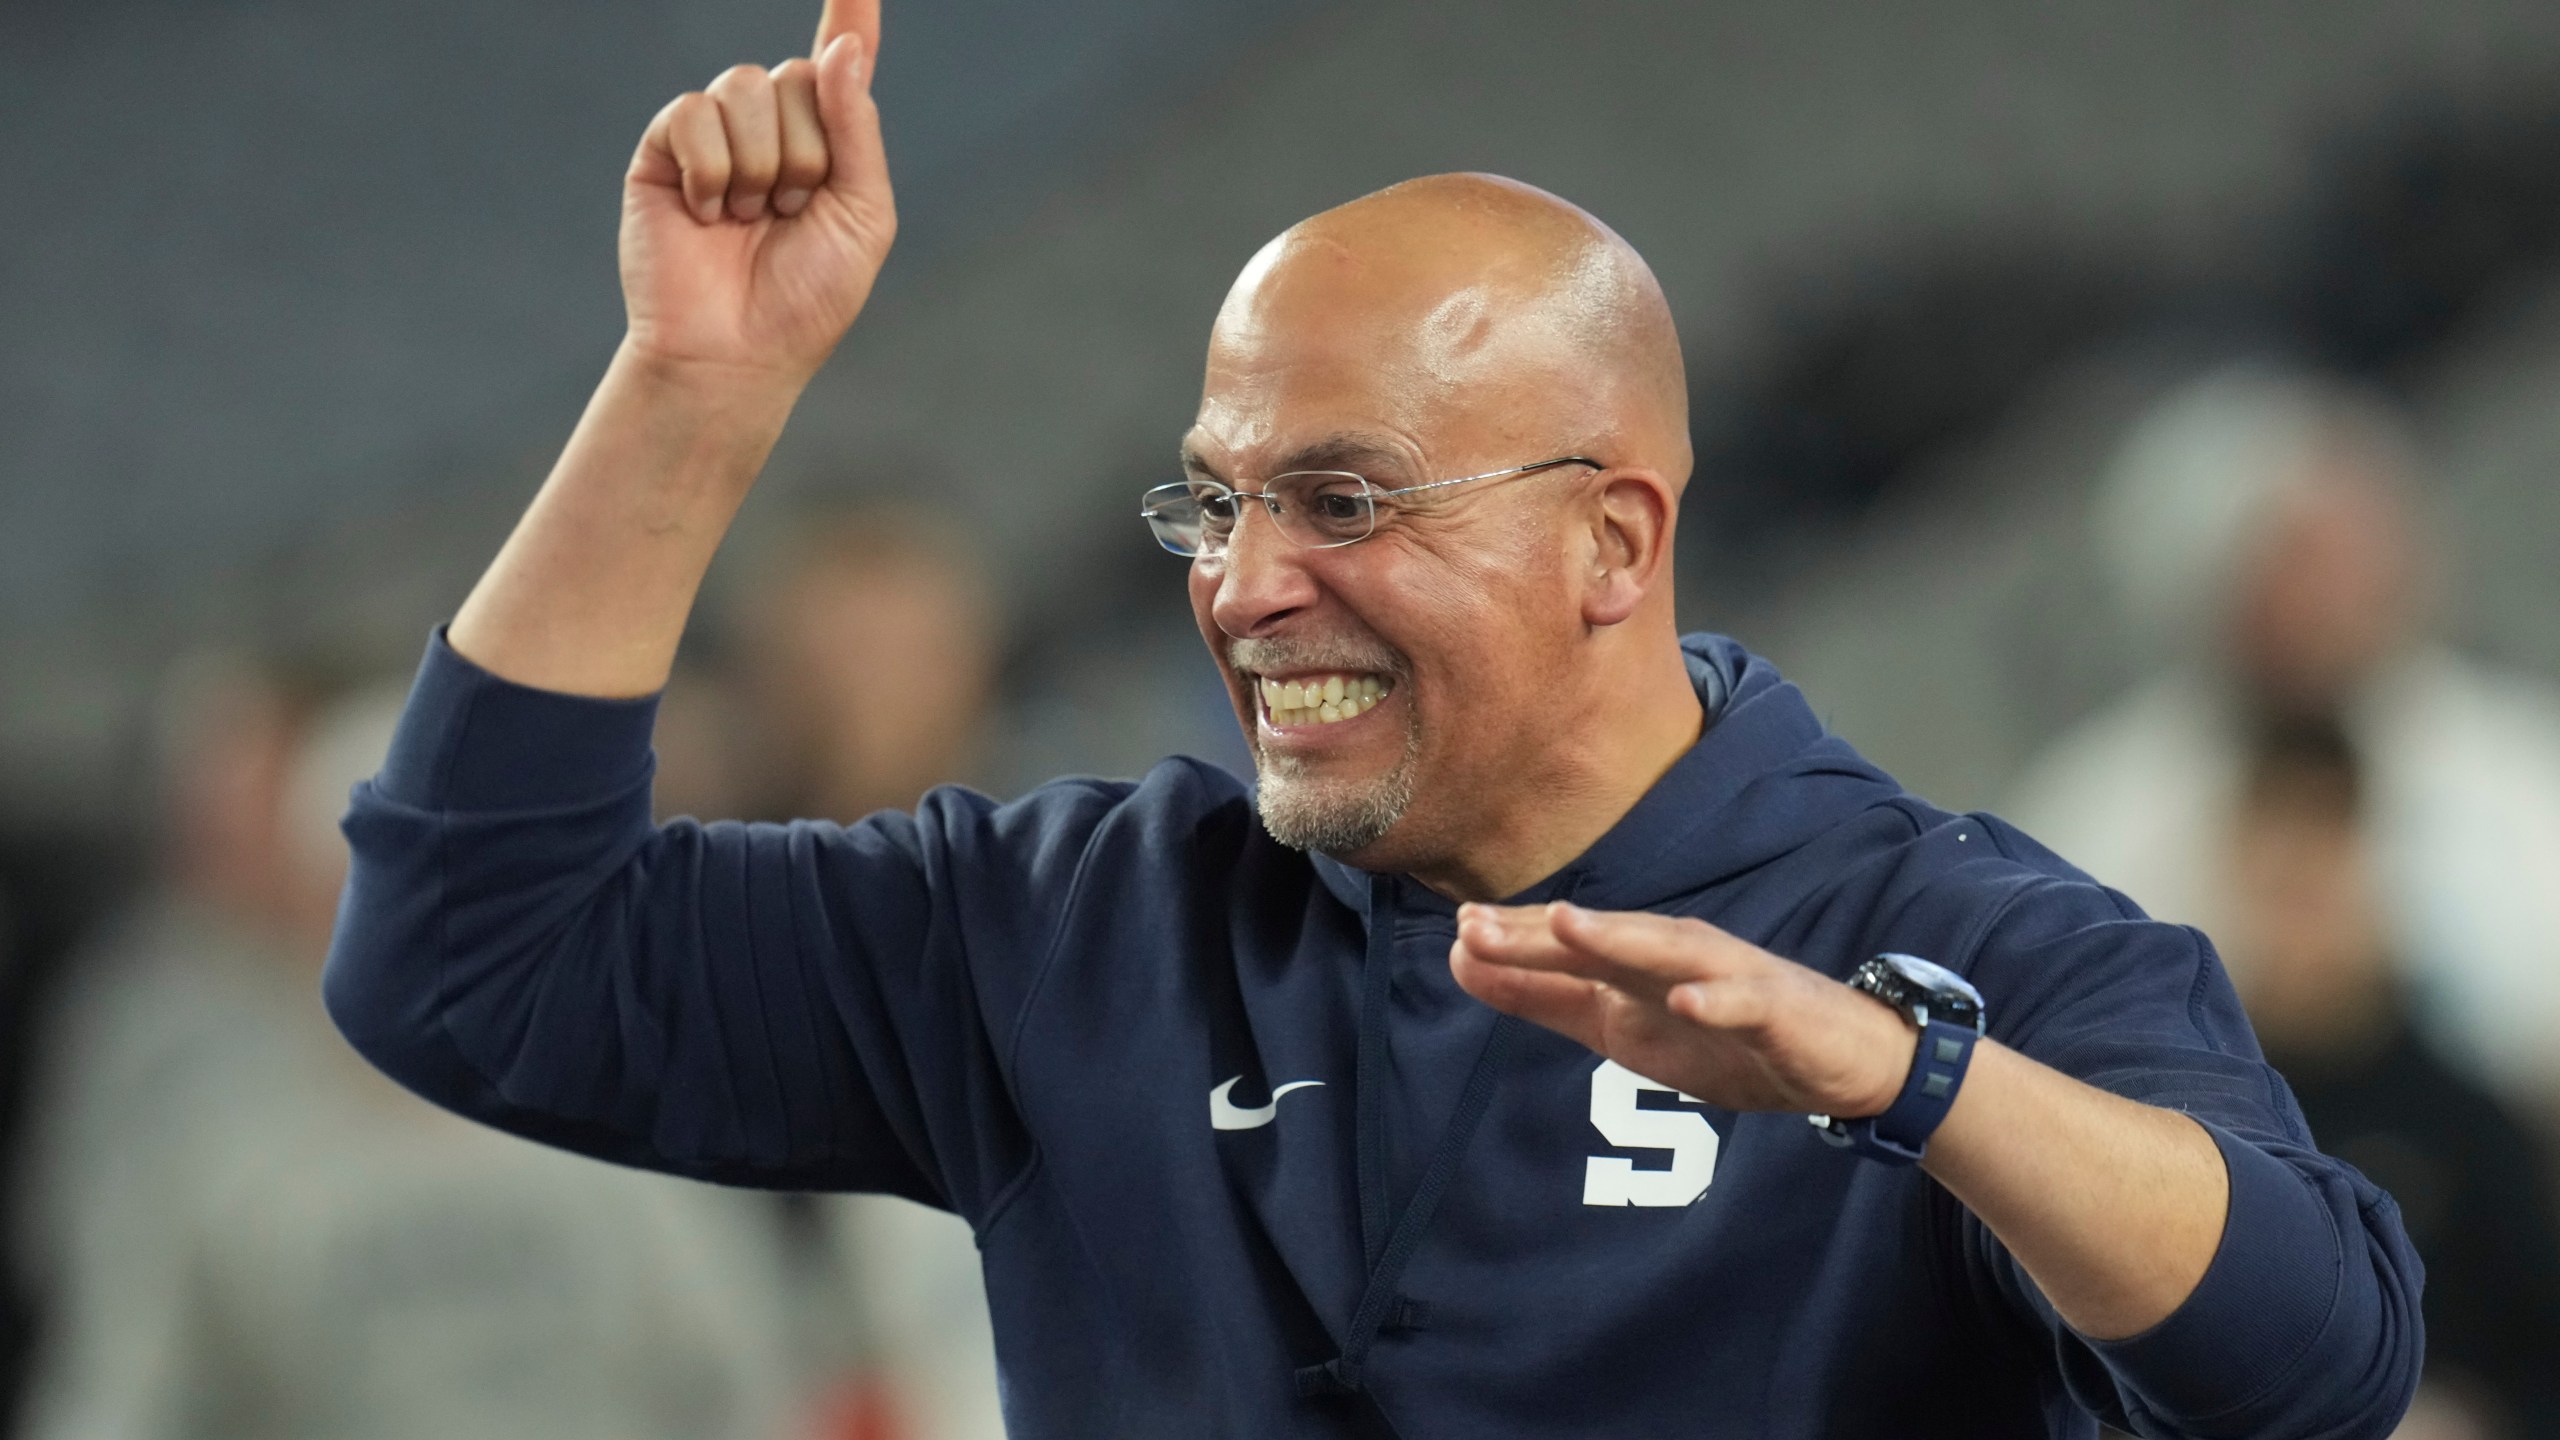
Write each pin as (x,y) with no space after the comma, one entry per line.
(2306,1322)
(790,1006)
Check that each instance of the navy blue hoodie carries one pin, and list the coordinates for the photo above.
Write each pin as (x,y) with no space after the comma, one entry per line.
(1087,1021)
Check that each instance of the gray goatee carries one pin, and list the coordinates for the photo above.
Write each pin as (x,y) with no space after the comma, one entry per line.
(1332,816)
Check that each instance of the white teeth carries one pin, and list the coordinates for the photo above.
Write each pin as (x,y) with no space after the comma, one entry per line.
(1333,689)
(1328,712)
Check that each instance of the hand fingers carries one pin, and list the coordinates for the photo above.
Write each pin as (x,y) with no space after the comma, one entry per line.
(858,18)
(803,165)
(759,141)
(857,163)
(687,147)
(1513,935)
(747,114)
(1743,1004)
(1567,1004)
(1514,956)
(1526,938)
(1641,954)
(1669,949)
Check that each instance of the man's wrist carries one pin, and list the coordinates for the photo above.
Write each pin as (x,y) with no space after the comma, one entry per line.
(709,387)
(1890,1038)
(700,429)
(1940,1017)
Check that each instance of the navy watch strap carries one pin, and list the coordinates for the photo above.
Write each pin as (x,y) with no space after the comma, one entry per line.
(1901,1134)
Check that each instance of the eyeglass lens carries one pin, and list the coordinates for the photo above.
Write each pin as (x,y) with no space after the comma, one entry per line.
(1313,508)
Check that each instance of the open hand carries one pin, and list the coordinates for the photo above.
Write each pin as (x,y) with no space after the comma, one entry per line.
(1684,1004)
(757,212)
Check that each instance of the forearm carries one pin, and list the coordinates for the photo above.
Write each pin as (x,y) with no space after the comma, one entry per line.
(2115,1208)
(590,594)
(2230,1279)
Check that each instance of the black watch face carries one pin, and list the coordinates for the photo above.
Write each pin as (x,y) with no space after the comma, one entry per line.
(1948,995)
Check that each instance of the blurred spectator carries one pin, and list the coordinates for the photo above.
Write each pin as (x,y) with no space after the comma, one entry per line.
(247,1233)
(55,885)
(872,656)
(2261,530)
(2306,928)
(705,762)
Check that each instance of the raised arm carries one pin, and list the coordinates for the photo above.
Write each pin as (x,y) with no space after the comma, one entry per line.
(755,216)
(800,1005)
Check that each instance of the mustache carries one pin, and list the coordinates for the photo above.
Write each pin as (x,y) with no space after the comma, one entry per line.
(1328,652)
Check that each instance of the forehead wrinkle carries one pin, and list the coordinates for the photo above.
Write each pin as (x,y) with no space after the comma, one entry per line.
(1341,450)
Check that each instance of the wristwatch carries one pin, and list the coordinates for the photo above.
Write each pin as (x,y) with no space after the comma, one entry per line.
(1947,1011)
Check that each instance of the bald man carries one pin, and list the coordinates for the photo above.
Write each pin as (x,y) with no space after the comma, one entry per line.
(1564,1036)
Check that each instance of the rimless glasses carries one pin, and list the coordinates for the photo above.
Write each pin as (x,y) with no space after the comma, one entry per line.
(1317,509)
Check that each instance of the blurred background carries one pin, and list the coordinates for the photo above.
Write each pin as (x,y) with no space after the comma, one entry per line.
(2141,421)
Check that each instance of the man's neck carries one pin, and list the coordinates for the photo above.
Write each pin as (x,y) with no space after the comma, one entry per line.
(1637,734)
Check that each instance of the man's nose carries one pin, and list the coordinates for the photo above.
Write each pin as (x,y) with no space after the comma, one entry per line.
(1262,577)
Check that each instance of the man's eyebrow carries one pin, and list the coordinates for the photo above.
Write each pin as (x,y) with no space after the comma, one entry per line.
(1348,450)
(1365,454)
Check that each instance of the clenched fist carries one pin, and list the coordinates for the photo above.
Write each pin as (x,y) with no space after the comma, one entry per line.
(757,212)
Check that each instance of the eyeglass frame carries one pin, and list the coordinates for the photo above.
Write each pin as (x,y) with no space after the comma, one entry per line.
(1271,502)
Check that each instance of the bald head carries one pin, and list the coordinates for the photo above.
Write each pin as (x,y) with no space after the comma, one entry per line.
(1515,644)
(1474,305)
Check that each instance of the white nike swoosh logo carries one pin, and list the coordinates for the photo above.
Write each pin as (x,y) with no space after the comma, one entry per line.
(1224,1115)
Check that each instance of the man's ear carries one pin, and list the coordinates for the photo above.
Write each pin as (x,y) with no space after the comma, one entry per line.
(1631,516)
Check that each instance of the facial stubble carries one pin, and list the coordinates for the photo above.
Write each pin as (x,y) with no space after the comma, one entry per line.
(1333,816)
(1300,808)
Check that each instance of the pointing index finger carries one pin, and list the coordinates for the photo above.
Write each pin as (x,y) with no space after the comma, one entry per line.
(858,18)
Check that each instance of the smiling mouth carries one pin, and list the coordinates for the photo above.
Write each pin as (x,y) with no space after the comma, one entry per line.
(1321,699)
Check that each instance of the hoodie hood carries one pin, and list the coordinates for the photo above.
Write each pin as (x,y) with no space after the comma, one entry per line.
(1763,780)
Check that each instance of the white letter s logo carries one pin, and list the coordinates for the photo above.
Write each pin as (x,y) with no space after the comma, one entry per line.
(1615,1180)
